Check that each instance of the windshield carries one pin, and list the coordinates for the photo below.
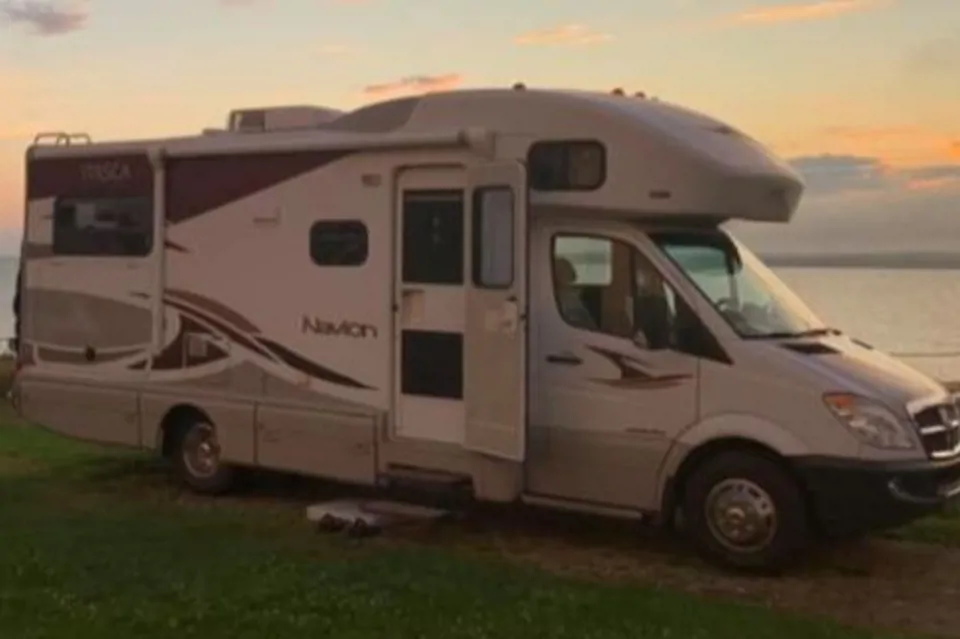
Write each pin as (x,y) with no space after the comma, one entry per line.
(755,302)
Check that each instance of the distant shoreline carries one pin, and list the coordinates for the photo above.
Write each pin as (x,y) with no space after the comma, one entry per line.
(891,261)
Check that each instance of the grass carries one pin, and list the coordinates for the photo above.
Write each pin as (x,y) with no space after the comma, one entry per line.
(100,545)
(97,543)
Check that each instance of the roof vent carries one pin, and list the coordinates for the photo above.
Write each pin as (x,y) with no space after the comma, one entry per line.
(280,118)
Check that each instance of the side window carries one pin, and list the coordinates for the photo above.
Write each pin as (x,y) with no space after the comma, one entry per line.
(339,243)
(103,227)
(570,165)
(607,286)
(493,237)
(433,237)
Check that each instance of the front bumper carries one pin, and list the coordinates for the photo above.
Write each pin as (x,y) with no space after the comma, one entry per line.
(850,498)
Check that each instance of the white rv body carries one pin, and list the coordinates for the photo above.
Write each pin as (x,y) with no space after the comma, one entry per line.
(377,294)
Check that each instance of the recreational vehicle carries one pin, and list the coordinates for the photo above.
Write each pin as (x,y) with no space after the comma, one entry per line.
(529,295)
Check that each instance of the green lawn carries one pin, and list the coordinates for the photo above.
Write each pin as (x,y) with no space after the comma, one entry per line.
(97,543)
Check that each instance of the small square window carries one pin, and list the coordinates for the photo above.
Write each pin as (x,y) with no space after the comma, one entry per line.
(338,243)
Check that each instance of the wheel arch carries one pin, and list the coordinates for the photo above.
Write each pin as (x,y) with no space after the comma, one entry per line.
(171,423)
(719,435)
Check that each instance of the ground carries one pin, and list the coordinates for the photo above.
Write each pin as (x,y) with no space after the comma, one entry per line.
(98,542)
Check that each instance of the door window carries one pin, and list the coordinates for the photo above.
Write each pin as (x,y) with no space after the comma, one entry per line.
(433,237)
(607,286)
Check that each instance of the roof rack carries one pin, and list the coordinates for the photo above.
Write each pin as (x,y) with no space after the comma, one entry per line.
(61,138)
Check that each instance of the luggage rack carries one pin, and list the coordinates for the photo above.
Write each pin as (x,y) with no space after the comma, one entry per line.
(61,138)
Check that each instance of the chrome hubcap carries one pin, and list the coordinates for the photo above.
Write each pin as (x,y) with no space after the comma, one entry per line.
(741,515)
(201,453)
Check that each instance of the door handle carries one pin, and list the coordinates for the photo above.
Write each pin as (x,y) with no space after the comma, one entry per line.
(564,358)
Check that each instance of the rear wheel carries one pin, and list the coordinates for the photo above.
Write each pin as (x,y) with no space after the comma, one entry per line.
(745,511)
(196,458)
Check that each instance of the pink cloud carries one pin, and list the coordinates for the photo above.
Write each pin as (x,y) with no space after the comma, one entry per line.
(567,34)
(415,84)
(802,12)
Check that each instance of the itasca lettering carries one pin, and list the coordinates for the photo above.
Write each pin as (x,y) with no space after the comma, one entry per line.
(105,172)
(344,328)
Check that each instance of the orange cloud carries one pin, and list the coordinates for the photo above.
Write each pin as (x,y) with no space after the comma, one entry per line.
(872,132)
(823,10)
(898,146)
(415,84)
(567,35)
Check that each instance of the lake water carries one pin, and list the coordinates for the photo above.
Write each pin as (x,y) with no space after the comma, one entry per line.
(915,313)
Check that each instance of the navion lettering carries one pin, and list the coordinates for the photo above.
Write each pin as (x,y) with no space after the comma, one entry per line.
(111,171)
(343,328)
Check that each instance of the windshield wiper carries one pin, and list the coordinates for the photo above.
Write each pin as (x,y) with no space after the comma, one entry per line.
(813,332)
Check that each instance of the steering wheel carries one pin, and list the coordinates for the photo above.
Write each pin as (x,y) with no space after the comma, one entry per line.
(725,305)
(732,312)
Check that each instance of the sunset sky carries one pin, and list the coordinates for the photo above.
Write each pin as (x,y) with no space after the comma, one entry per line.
(863,95)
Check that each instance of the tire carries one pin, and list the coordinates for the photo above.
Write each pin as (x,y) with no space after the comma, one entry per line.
(196,458)
(766,527)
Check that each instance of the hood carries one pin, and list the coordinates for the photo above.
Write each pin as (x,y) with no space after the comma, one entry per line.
(845,364)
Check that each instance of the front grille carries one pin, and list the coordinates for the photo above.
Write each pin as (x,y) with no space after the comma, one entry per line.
(940,429)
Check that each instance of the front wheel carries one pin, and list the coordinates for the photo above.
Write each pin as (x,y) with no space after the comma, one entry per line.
(745,511)
(197,461)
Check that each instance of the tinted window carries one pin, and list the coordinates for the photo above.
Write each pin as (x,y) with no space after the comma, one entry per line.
(566,165)
(103,227)
(338,243)
(493,231)
(433,237)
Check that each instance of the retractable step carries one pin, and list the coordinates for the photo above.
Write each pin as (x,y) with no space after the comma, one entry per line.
(420,480)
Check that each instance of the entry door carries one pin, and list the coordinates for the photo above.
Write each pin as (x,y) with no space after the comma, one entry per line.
(495,374)
(430,305)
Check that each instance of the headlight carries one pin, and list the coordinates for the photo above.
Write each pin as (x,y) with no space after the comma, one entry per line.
(872,423)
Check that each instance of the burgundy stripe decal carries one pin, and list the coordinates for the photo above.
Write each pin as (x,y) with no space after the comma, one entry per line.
(201,184)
